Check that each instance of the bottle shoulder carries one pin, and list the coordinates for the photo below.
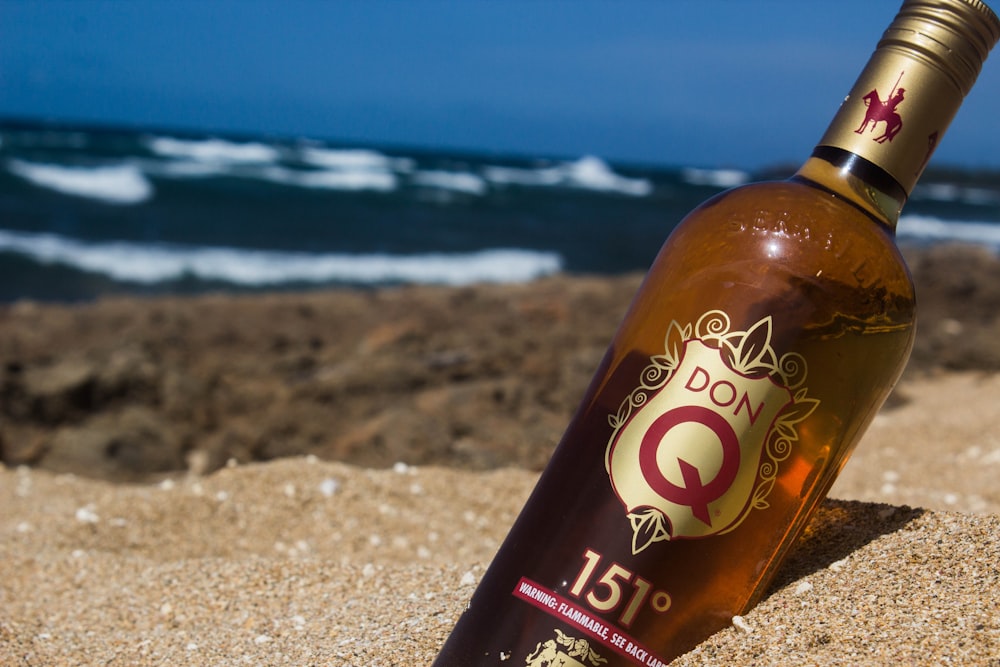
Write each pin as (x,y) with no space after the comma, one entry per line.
(815,263)
(797,214)
(787,232)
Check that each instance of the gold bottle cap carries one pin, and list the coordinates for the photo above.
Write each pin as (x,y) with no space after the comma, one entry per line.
(925,64)
(954,36)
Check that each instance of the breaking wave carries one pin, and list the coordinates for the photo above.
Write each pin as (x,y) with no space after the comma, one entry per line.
(156,263)
(115,184)
(926,229)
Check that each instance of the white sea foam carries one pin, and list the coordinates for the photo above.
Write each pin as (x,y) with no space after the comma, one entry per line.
(587,173)
(719,178)
(183,169)
(150,264)
(929,229)
(954,193)
(213,150)
(594,174)
(980,196)
(458,181)
(925,228)
(115,184)
(354,159)
(947,192)
(319,179)
(333,179)
(527,177)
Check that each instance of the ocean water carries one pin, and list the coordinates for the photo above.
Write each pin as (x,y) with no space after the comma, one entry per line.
(86,212)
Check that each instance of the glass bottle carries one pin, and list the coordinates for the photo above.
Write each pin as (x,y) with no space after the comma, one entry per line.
(767,334)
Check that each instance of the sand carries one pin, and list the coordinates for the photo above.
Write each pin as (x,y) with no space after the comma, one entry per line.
(303,560)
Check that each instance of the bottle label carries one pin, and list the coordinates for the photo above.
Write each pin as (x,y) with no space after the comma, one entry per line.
(697,445)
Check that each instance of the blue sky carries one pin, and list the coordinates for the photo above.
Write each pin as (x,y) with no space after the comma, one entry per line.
(696,82)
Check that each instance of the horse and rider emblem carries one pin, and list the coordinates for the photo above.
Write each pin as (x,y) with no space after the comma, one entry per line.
(883,111)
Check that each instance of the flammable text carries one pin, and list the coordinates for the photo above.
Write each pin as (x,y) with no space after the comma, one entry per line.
(559,607)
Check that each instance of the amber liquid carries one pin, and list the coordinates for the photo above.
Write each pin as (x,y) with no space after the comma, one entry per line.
(839,294)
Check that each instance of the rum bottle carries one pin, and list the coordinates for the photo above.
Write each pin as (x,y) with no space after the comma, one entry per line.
(767,334)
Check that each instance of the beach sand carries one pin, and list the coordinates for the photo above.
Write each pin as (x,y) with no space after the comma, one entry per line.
(223,480)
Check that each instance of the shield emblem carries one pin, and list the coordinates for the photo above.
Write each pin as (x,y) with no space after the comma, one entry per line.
(688,452)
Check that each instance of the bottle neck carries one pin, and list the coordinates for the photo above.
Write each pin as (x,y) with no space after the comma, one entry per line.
(863,183)
(894,116)
(884,133)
